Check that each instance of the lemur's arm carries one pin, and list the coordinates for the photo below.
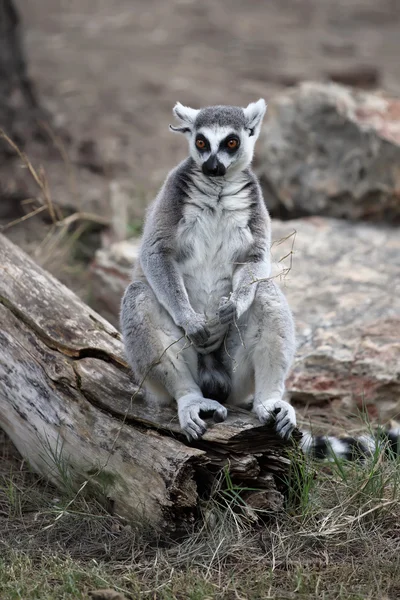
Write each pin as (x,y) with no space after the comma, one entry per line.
(166,282)
(245,280)
(245,283)
(162,273)
(255,266)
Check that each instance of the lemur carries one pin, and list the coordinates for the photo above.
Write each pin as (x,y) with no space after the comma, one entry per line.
(203,321)
(203,277)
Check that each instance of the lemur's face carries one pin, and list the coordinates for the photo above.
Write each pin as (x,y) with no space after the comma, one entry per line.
(217,149)
(221,138)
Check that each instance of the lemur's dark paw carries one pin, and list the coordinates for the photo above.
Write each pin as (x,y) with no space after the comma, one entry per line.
(189,415)
(226,311)
(280,412)
(197,331)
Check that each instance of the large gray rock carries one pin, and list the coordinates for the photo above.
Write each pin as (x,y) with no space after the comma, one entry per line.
(342,282)
(328,150)
(344,289)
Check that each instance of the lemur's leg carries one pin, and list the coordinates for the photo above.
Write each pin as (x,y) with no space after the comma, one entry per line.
(239,364)
(171,369)
(262,347)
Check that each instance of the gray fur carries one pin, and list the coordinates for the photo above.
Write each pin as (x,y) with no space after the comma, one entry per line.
(202,320)
(221,116)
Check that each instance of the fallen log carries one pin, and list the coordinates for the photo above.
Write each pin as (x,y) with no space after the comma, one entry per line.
(70,406)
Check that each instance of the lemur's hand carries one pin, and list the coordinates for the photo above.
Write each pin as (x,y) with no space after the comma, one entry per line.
(196,329)
(217,333)
(226,311)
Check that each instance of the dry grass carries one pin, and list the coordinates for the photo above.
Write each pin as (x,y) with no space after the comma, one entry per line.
(62,242)
(342,540)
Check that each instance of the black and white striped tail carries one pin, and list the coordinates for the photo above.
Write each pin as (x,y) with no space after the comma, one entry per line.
(328,447)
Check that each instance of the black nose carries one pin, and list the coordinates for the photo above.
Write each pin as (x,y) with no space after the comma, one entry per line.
(213,168)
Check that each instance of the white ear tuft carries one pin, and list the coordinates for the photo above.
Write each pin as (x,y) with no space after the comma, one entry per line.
(185,113)
(254,115)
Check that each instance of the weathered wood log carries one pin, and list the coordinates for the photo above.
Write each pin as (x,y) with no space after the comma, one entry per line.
(69,404)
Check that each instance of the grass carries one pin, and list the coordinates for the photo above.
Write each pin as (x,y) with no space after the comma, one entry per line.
(338,539)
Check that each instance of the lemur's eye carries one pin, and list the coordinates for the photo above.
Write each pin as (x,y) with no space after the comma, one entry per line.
(232,144)
(200,144)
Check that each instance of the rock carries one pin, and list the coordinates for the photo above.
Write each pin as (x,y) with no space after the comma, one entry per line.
(344,290)
(343,287)
(363,76)
(330,150)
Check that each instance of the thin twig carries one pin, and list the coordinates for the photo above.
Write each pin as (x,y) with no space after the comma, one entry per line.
(24,218)
(82,216)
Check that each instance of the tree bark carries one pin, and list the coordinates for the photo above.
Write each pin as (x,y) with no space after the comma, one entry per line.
(70,406)
(23,119)
(13,69)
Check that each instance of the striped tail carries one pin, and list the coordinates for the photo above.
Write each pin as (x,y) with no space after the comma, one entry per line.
(328,447)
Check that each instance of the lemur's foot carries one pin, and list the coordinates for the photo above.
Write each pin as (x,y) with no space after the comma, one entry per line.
(189,409)
(280,411)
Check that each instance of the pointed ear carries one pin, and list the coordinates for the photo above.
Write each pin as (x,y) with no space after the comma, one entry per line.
(254,115)
(186,115)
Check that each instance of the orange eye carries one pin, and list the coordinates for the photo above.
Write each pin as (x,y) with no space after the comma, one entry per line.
(200,144)
(232,144)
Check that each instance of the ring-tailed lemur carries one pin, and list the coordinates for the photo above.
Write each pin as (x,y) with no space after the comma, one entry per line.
(203,276)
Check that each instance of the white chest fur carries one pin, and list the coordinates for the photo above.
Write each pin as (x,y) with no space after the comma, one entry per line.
(213,237)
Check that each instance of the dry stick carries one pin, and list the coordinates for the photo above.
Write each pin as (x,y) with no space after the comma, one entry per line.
(22,156)
(29,200)
(283,273)
(59,144)
(42,245)
(234,362)
(281,240)
(52,238)
(239,332)
(39,178)
(46,193)
(24,218)
(187,345)
(286,270)
(290,253)
(42,183)
(82,216)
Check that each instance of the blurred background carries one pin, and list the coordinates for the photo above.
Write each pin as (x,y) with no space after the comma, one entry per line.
(106,75)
